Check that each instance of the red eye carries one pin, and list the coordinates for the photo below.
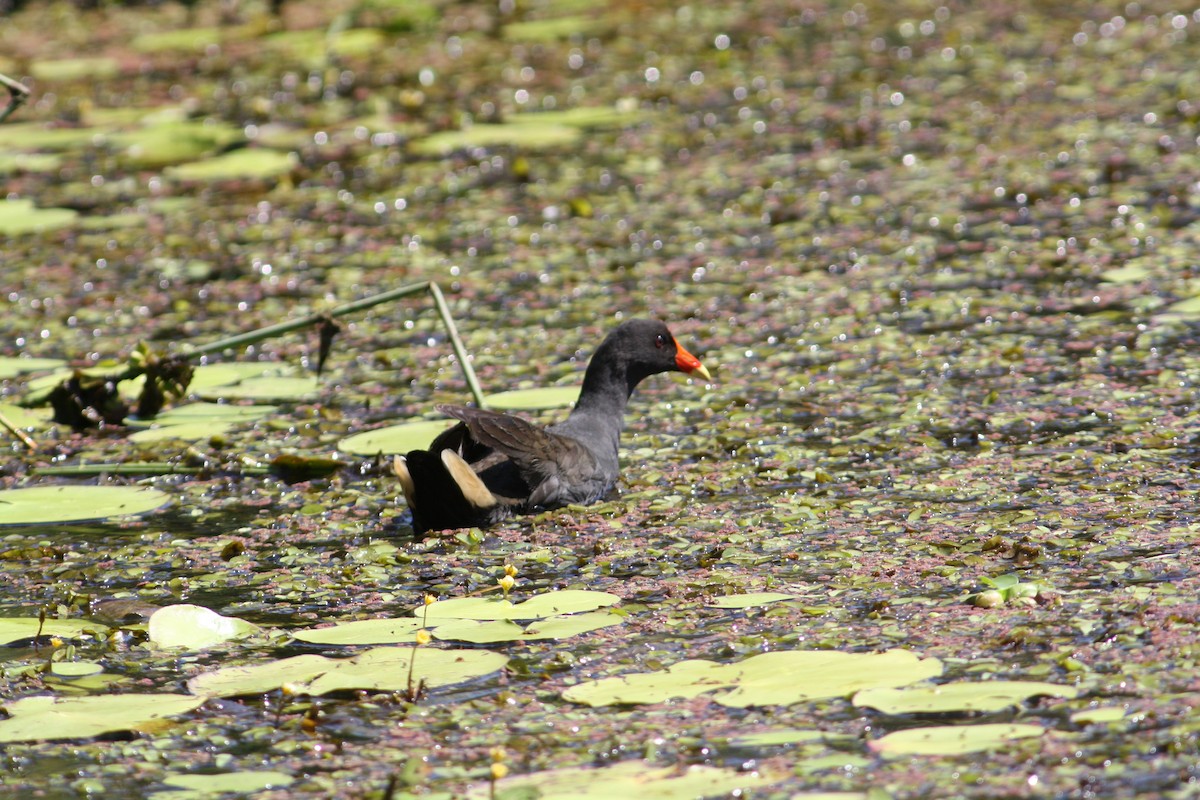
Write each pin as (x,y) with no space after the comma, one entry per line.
(660,341)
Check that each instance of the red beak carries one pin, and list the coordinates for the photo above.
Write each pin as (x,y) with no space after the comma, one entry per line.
(689,363)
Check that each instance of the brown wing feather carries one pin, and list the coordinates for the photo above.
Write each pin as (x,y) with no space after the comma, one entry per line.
(511,435)
(534,450)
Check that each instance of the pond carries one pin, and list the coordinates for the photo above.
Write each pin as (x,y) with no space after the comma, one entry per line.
(923,534)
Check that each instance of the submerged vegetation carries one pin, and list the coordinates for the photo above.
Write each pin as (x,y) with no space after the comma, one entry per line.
(937,501)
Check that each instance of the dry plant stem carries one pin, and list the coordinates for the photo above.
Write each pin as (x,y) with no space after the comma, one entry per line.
(17,432)
(143,468)
(439,301)
(18,94)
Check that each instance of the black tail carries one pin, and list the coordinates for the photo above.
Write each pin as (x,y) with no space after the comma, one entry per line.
(438,500)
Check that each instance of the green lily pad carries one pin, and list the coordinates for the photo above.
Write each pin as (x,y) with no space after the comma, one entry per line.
(685,679)
(959,696)
(266,388)
(181,40)
(37,137)
(363,631)
(11,163)
(296,467)
(778,678)
(397,631)
(792,677)
(246,164)
(172,142)
(1184,308)
(15,629)
(11,366)
(209,376)
(69,503)
(25,418)
(386,669)
(316,45)
(548,30)
(212,412)
(259,678)
(479,632)
(380,669)
(194,627)
(394,439)
(74,69)
(197,421)
(186,269)
(523,135)
(110,222)
(21,216)
(952,740)
(583,116)
(750,600)
(204,785)
(1091,716)
(1130,273)
(534,399)
(561,627)
(75,669)
(188,432)
(356,41)
(784,736)
(629,779)
(85,685)
(838,762)
(503,630)
(127,116)
(46,718)
(568,601)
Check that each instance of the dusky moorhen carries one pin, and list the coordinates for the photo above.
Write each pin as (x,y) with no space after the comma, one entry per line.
(491,465)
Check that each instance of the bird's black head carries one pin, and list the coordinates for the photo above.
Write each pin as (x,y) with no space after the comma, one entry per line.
(638,349)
